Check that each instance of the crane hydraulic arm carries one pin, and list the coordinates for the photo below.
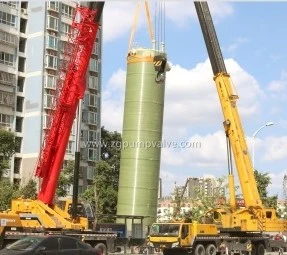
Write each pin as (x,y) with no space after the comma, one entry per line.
(71,87)
(253,217)
(232,123)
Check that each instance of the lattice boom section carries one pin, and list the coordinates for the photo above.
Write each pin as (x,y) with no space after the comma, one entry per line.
(71,88)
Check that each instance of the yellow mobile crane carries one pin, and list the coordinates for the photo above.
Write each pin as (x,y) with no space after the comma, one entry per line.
(243,229)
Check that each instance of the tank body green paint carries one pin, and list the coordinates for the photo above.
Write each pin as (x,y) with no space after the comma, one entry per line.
(141,137)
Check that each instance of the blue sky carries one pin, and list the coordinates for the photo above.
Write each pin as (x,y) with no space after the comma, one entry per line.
(253,39)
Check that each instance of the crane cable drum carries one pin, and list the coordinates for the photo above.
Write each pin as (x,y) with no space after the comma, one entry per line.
(159,60)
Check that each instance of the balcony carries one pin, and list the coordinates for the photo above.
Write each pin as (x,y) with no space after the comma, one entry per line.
(89,118)
(53,6)
(8,38)
(91,172)
(7,78)
(48,101)
(7,99)
(50,82)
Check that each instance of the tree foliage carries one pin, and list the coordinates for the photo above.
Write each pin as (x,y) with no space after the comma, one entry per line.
(6,194)
(66,178)
(11,191)
(263,180)
(103,193)
(29,190)
(8,145)
(202,202)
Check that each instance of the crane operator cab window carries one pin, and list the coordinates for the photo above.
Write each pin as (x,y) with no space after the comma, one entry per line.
(80,210)
(184,231)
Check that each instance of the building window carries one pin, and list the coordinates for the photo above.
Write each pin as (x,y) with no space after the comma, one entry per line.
(70,147)
(93,65)
(7,59)
(48,101)
(92,100)
(96,48)
(52,23)
(93,118)
(65,29)
(50,81)
(68,11)
(91,172)
(6,120)
(13,4)
(51,61)
(93,154)
(8,38)
(93,82)
(8,19)
(52,42)
(92,136)
(66,47)
(53,6)
(7,78)
(18,144)
(17,165)
(7,99)
(46,119)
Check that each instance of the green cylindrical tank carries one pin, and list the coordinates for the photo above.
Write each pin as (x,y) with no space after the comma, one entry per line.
(141,136)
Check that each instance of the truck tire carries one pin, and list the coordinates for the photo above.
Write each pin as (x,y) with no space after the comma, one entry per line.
(210,249)
(102,247)
(260,249)
(199,250)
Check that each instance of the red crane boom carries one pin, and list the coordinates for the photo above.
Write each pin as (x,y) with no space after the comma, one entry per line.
(71,88)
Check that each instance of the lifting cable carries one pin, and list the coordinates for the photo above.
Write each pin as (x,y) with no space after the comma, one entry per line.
(160,24)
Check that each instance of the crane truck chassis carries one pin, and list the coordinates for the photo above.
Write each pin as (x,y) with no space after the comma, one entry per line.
(205,239)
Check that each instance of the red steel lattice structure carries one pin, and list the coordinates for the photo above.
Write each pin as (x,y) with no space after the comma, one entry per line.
(71,87)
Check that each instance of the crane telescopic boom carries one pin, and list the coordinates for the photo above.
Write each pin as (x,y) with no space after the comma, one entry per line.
(232,123)
(72,88)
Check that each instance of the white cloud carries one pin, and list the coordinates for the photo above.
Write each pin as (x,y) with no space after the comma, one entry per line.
(276,186)
(279,87)
(237,42)
(113,101)
(117,19)
(191,96)
(275,148)
(197,151)
(181,12)
(191,102)
(118,16)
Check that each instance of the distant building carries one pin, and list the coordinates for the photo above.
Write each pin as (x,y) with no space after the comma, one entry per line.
(200,186)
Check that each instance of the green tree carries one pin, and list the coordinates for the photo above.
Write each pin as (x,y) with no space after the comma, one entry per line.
(29,190)
(202,203)
(8,146)
(263,181)
(103,193)
(66,178)
(6,194)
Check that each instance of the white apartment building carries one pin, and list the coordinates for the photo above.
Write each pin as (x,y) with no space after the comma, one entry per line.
(35,33)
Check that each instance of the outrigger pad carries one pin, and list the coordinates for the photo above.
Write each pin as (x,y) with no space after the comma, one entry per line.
(175,251)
